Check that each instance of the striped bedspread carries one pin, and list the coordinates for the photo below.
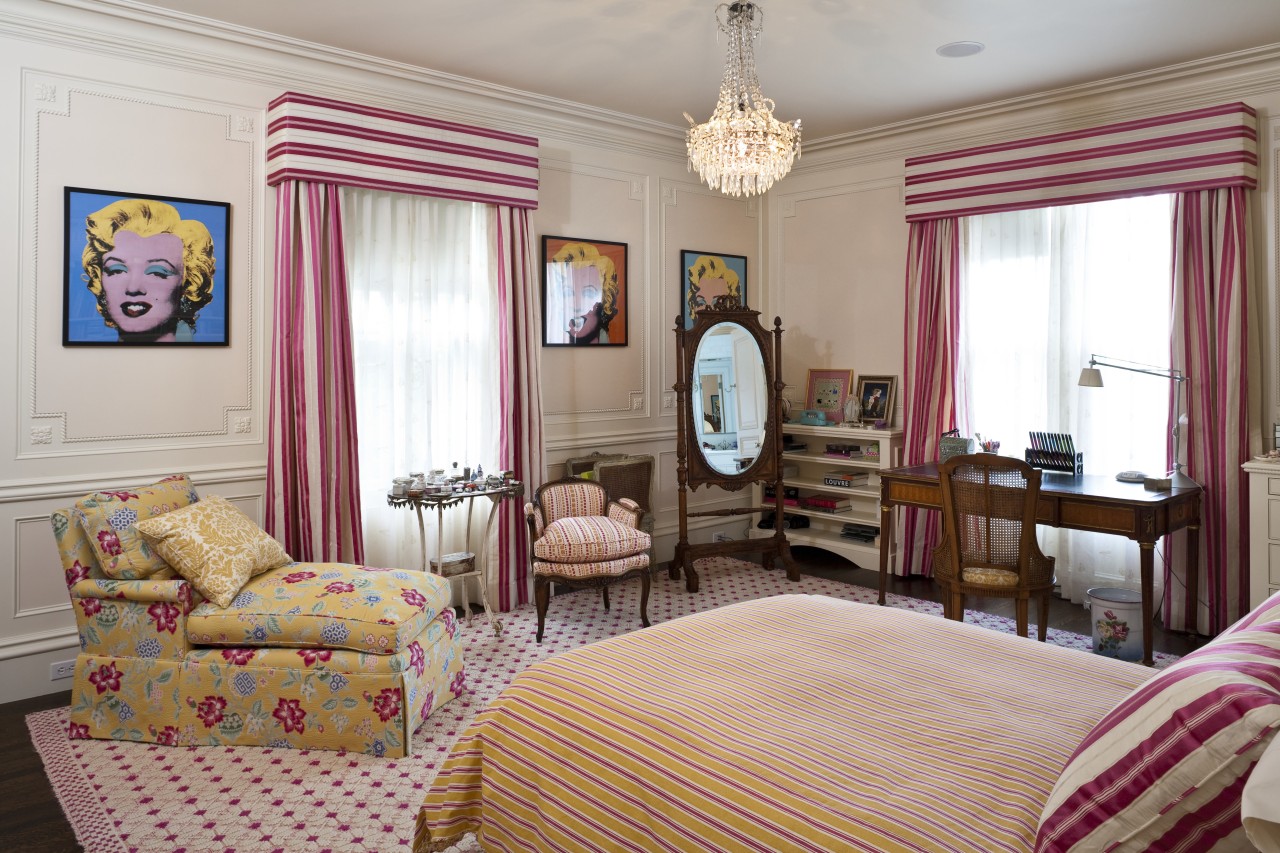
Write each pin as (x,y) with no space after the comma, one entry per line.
(790,723)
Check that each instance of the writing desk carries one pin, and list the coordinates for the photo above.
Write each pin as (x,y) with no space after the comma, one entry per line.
(1095,502)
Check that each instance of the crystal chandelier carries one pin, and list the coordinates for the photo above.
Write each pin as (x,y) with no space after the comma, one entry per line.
(742,149)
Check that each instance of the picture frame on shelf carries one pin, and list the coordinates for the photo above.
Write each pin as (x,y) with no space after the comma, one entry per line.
(826,391)
(584,292)
(707,275)
(167,284)
(876,396)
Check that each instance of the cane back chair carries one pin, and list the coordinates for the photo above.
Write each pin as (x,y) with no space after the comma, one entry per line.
(989,545)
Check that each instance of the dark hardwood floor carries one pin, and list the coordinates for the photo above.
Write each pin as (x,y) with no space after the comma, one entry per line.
(31,821)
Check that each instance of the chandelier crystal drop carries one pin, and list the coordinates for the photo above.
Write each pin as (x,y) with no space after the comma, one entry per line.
(742,149)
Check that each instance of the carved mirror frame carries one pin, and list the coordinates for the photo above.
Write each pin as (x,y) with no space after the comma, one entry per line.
(693,469)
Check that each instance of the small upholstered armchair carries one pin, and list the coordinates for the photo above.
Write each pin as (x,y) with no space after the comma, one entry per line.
(989,545)
(581,539)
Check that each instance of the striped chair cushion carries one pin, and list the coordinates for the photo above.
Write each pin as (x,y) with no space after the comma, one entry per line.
(569,499)
(589,539)
(600,568)
(1164,770)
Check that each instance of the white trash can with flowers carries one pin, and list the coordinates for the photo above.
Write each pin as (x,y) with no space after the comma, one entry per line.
(1117,622)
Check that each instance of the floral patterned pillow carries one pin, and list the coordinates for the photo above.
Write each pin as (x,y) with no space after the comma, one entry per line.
(109,519)
(215,546)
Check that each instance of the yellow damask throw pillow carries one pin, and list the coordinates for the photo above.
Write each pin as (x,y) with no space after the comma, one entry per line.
(213,545)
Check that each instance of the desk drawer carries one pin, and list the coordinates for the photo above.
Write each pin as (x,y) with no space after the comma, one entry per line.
(1273,519)
(1273,564)
(1273,485)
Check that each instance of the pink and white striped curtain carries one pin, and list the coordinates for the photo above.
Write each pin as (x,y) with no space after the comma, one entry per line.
(929,386)
(522,448)
(313,497)
(313,473)
(1211,264)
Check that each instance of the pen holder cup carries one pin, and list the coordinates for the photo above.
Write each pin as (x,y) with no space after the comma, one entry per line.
(1056,462)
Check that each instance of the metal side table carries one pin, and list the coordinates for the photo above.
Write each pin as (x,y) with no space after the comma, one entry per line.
(480,562)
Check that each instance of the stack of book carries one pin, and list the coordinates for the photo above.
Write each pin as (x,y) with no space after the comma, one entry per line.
(844,451)
(846,479)
(790,495)
(791,444)
(824,503)
(864,533)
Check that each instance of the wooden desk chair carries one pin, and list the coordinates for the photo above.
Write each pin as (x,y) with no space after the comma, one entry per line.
(989,536)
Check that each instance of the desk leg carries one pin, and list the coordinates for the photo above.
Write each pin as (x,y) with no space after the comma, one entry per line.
(1193,578)
(885,533)
(1147,559)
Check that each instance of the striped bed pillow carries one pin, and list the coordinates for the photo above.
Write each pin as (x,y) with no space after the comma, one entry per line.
(1164,770)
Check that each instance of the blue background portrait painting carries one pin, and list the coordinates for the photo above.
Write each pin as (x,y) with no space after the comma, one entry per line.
(157,267)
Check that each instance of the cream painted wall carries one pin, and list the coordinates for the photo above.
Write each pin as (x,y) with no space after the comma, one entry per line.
(837,237)
(825,252)
(105,102)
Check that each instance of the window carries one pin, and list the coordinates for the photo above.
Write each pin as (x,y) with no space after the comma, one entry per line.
(425,330)
(1042,290)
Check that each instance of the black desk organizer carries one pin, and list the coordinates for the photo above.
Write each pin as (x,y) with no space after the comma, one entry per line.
(1055,452)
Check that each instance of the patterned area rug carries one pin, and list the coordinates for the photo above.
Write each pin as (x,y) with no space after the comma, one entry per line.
(122,797)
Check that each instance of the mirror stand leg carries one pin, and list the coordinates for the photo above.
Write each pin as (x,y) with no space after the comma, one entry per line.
(691,575)
(788,562)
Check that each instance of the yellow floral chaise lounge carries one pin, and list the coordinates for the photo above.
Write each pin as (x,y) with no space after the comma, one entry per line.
(302,655)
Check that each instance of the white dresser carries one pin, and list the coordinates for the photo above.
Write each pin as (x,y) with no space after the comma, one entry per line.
(1264,529)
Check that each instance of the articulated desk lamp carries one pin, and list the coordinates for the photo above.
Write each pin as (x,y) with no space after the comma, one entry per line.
(1091,377)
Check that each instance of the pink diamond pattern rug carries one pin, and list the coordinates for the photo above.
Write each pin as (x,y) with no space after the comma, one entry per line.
(121,797)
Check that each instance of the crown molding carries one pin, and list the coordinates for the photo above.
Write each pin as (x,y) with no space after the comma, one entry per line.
(1228,77)
(332,72)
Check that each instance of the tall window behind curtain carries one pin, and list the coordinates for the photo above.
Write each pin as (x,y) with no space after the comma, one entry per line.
(425,319)
(1043,289)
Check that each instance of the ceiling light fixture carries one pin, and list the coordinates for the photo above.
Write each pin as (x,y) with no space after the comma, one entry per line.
(742,149)
(957,49)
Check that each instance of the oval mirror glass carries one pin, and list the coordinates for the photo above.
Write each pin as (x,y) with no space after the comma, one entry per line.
(730,398)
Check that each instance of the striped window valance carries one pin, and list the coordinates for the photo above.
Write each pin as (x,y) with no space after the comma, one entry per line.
(318,139)
(1193,150)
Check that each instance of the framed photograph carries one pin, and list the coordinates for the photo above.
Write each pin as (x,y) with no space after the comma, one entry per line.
(827,391)
(706,275)
(584,292)
(144,269)
(875,395)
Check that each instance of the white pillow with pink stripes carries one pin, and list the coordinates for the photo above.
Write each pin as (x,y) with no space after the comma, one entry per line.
(1164,770)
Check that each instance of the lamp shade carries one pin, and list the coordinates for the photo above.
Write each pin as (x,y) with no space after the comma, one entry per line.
(1090,377)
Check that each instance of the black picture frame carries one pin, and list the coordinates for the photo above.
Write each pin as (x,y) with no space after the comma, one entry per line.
(584,292)
(194,312)
(706,275)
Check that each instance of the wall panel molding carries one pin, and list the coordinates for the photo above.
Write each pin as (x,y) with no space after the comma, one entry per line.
(638,403)
(73,488)
(46,431)
(787,207)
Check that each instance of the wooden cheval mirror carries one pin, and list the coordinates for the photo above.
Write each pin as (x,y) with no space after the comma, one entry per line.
(728,428)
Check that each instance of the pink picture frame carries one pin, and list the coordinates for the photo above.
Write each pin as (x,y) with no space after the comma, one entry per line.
(827,390)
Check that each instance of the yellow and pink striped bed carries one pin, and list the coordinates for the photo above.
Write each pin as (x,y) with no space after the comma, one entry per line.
(790,723)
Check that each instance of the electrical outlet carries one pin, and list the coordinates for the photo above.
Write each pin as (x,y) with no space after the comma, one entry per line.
(719,536)
(62,669)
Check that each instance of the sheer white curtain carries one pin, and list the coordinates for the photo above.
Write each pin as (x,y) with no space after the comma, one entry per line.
(1043,289)
(425,325)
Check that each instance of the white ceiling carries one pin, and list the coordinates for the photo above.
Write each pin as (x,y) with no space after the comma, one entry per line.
(839,65)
